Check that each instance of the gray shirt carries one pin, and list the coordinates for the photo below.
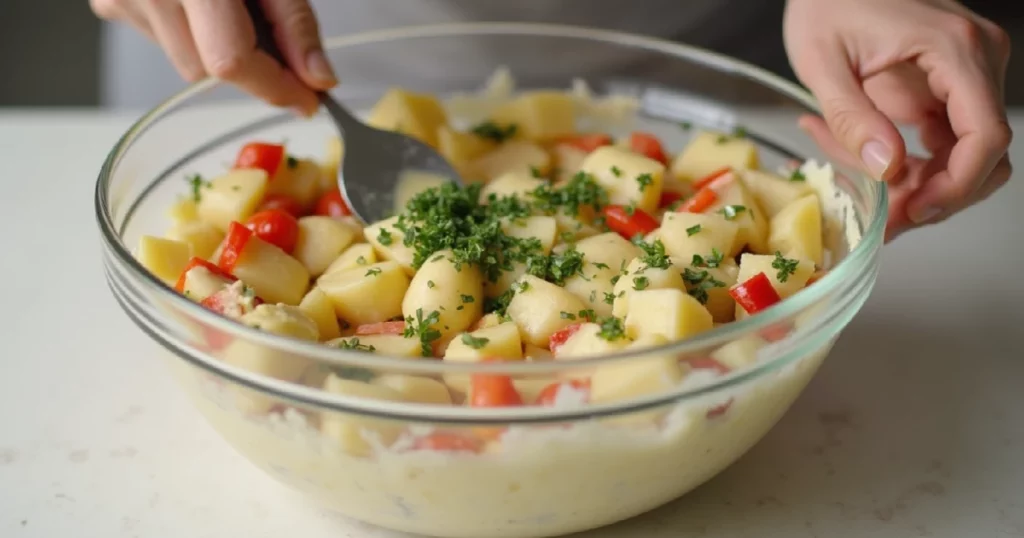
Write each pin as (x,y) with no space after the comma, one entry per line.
(137,75)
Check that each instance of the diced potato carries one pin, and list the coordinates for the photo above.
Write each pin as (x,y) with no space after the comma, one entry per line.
(299,179)
(609,249)
(184,209)
(686,234)
(277,319)
(501,342)
(637,377)
(357,255)
(640,276)
(752,264)
(667,312)
(629,178)
(354,434)
(577,228)
(568,160)
(585,343)
(276,276)
(489,320)
(773,192)
(517,183)
(505,280)
(392,345)
(388,242)
(414,182)
(513,156)
(203,237)
(460,149)
(321,240)
(416,114)
(593,287)
(456,293)
(709,151)
(367,294)
(539,115)
(796,230)
(333,156)
(739,353)
(537,306)
(318,307)
(720,303)
(165,258)
(416,388)
(737,205)
(201,283)
(542,228)
(536,353)
(233,196)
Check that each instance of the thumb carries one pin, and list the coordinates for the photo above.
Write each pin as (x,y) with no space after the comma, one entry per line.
(298,36)
(851,115)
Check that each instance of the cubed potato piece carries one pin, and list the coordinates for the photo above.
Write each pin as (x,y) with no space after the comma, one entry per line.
(608,249)
(416,114)
(715,281)
(585,343)
(333,155)
(738,206)
(505,280)
(739,353)
(513,156)
(502,341)
(710,151)
(388,241)
(641,277)
(752,264)
(629,178)
(203,237)
(165,258)
(667,312)
(489,320)
(320,241)
(796,230)
(456,293)
(299,178)
(184,209)
(201,283)
(517,183)
(568,160)
(537,306)
(357,435)
(416,389)
(542,228)
(594,287)
(773,192)
(640,376)
(367,294)
(357,255)
(233,196)
(460,149)
(276,276)
(686,234)
(412,183)
(576,228)
(277,319)
(392,345)
(536,353)
(318,307)
(539,115)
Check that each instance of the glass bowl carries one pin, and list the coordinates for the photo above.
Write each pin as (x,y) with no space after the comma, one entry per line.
(531,470)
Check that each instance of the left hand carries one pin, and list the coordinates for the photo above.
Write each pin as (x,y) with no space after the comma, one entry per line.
(932,64)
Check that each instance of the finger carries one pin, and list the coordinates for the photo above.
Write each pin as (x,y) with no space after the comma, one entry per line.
(936,133)
(1000,176)
(916,172)
(978,120)
(298,37)
(227,46)
(818,130)
(112,10)
(171,31)
(857,124)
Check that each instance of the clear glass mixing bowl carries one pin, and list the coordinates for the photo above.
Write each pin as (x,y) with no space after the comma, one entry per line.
(546,470)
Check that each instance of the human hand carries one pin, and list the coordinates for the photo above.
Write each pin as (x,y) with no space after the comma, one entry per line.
(216,38)
(931,64)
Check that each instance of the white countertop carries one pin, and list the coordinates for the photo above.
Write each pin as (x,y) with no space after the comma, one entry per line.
(913,427)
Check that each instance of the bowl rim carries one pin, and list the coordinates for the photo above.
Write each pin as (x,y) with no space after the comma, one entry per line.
(848,271)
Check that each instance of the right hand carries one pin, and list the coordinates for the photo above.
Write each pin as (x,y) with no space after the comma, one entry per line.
(215,38)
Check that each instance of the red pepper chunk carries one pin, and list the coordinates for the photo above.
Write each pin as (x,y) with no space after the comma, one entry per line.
(756,294)
(699,202)
(668,198)
(493,390)
(629,225)
(237,238)
(589,142)
(332,204)
(383,327)
(277,227)
(648,145)
(281,202)
(267,157)
(179,286)
(561,336)
(548,395)
(708,363)
(706,180)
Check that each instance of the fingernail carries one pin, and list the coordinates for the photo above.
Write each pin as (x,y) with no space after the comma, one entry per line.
(925,215)
(319,67)
(877,157)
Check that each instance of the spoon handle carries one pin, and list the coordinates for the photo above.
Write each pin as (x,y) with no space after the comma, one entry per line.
(266,41)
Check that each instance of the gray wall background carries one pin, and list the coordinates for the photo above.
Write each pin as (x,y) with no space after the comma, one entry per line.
(50,51)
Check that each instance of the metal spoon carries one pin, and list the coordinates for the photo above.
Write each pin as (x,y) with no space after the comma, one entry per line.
(374,160)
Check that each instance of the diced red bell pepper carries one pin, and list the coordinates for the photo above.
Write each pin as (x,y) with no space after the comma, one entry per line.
(561,336)
(493,390)
(238,237)
(668,198)
(275,226)
(261,155)
(179,286)
(332,204)
(281,202)
(756,294)
(549,393)
(708,363)
(706,180)
(719,410)
(699,202)
(627,225)
(588,142)
(383,327)
(648,145)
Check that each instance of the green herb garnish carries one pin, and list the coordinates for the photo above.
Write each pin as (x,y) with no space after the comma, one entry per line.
(730,212)
(373,272)
(797,175)
(422,328)
(699,282)
(473,341)
(384,237)
(353,344)
(693,230)
(611,328)
(495,132)
(644,181)
(785,266)
(616,171)
(641,283)
(197,184)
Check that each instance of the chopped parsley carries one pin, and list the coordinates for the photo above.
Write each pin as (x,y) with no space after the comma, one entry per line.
(466,299)
(641,283)
(739,132)
(473,341)
(587,314)
(535,172)
(600,265)
(722,139)
(644,181)
(373,272)
(699,282)
(495,132)
(712,261)
(611,328)
(685,125)
(557,268)
(499,304)
(784,266)
(730,212)
(422,328)
(616,171)
(609,298)
(197,184)
(291,162)
(361,260)
(354,373)
(385,237)
(430,284)
(353,344)
(567,315)
(797,175)
(580,191)
(693,230)
(654,255)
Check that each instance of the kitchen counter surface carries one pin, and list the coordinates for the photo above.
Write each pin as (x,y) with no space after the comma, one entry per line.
(913,427)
